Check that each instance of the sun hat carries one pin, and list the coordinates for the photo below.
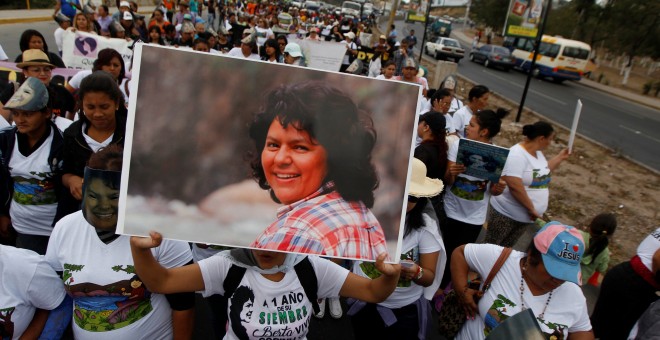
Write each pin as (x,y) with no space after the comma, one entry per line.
(32,95)
(561,247)
(124,4)
(127,16)
(34,57)
(382,37)
(350,35)
(420,185)
(293,50)
(60,18)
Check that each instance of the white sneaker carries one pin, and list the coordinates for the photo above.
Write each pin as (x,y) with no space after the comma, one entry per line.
(335,307)
(321,312)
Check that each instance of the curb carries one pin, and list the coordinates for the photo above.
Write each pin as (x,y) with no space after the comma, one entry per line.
(41,19)
(620,95)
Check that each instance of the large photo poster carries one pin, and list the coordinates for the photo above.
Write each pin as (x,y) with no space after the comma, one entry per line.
(524,18)
(251,154)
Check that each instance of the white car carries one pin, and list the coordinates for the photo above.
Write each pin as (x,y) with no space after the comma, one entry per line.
(445,48)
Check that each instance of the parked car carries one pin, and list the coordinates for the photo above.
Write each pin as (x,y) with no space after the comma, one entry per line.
(445,48)
(493,56)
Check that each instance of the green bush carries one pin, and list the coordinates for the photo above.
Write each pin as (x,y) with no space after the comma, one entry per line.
(646,88)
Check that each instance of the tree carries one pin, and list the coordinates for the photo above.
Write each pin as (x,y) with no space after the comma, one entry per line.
(490,12)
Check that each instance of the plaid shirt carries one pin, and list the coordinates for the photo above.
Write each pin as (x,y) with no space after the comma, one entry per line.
(325,224)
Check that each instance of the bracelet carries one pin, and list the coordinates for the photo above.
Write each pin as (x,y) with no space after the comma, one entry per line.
(420,273)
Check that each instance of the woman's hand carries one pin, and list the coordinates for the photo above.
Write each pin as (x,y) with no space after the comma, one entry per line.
(498,188)
(154,240)
(466,297)
(456,169)
(387,269)
(409,273)
(75,187)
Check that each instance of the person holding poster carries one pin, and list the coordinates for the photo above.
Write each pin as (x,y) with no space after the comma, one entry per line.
(423,259)
(527,177)
(313,153)
(268,292)
(466,197)
(109,300)
(101,124)
(477,100)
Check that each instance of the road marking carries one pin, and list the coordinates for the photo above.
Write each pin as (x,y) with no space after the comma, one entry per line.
(520,86)
(637,132)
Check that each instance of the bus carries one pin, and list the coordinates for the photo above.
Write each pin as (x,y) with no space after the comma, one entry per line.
(559,58)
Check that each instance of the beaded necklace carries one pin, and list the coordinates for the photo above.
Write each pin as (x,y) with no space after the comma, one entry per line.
(522,289)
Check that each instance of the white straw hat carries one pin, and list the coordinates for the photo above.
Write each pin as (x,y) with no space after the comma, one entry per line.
(420,185)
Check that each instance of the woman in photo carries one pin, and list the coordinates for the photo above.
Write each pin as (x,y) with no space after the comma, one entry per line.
(313,153)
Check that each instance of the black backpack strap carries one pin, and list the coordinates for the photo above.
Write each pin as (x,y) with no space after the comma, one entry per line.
(234,277)
(307,279)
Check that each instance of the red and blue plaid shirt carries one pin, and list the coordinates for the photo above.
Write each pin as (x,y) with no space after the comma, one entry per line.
(325,224)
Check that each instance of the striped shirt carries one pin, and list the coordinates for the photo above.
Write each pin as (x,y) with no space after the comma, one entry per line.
(325,224)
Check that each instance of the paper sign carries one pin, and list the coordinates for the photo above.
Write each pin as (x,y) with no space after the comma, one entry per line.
(576,118)
(481,160)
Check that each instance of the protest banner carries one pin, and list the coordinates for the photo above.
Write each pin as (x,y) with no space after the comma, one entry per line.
(322,55)
(190,150)
(79,49)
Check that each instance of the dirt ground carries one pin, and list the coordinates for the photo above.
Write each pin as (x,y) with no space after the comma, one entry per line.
(592,181)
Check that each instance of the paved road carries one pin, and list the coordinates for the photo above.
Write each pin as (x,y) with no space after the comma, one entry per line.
(626,127)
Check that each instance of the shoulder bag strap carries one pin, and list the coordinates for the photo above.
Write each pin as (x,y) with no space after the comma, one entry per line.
(307,278)
(496,268)
(232,280)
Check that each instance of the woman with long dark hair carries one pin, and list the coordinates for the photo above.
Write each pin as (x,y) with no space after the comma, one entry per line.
(33,39)
(110,61)
(423,259)
(272,52)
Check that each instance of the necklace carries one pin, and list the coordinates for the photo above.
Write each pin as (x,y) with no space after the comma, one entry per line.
(522,290)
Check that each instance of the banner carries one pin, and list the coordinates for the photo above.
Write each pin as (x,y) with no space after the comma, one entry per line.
(524,18)
(417,11)
(9,71)
(322,55)
(80,49)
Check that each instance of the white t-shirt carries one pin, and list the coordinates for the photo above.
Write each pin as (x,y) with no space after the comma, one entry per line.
(34,203)
(110,302)
(58,38)
(535,175)
(353,46)
(262,35)
(78,77)
(382,76)
(28,282)
(93,144)
(461,120)
(3,122)
(455,105)
(566,311)
(466,200)
(419,241)
(275,309)
(237,53)
(61,122)
(648,247)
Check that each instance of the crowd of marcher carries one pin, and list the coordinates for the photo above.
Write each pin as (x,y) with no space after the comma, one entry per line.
(66,273)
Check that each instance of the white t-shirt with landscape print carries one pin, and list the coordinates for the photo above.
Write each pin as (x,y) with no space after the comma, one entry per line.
(109,300)
(535,175)
(466,200)
(566,310)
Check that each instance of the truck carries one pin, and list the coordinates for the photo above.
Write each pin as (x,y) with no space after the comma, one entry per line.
(351,9)
(440,28)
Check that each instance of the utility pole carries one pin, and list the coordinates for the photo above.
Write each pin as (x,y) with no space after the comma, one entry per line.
(426,25)
(395,6)
(537,45)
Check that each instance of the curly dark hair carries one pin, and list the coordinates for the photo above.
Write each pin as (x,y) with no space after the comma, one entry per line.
(334,121)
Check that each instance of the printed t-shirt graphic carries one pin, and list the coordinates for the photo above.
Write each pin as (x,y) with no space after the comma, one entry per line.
(467,189)
(501,309)
(540,181)
(112,306)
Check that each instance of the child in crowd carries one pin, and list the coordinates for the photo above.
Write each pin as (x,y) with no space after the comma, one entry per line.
(597,255)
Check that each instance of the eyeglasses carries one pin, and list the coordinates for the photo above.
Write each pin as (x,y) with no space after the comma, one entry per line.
(39,70)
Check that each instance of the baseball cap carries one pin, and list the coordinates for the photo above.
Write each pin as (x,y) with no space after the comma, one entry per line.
(350,35)
(32,95)
(410,62)
(124,4)
(293,50)
(561,247)
(128,16)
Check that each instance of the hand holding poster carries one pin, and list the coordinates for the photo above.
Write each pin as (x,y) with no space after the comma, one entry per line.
(481,160)
(220,180)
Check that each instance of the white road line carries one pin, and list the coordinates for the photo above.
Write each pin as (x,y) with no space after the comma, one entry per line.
(637,132)
(521,86)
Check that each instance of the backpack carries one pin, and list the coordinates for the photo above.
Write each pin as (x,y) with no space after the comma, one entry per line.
(303,269)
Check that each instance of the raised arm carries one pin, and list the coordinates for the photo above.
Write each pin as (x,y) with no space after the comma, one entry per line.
(158,278)
(373,291)
(555,161)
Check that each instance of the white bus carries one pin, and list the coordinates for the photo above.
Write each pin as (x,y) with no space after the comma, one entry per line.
(560,59)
